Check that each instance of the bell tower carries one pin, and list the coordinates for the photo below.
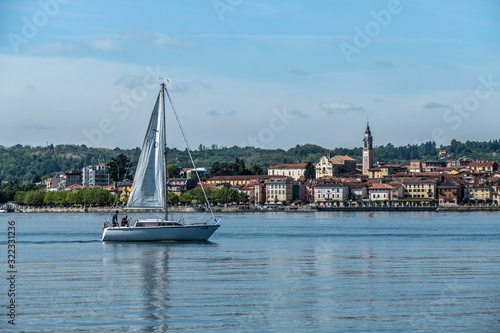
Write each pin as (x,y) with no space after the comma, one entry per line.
(367,150)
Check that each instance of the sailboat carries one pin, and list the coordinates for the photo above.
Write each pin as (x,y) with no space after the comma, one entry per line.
(150,189)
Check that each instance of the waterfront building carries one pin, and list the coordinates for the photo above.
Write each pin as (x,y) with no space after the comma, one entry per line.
(449,193)
(359,191)
(279,190)
(238,180)
(259,192)
(380,191)
(482,192)
(397,191)
(469,192)
(307,189)
(495,198)
(418,188)
(331,191)
(367,151)
(295,171)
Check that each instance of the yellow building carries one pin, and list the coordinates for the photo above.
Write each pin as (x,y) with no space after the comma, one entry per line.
(483,167)
(279,190)
(384,170)
(419,188)
(238,180)
(482,192)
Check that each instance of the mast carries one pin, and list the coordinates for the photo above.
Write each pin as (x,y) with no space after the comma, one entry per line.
(162,99)
(190,156)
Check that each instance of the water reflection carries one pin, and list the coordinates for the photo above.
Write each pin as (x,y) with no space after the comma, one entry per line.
(146,266)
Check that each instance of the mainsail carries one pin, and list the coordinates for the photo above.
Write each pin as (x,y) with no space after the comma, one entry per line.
(148,189)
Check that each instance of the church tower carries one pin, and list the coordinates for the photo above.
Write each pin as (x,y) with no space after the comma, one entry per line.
(367,150)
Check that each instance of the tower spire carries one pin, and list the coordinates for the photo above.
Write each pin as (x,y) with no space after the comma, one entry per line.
(367,149)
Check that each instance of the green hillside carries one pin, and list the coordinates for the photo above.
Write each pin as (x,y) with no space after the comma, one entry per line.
(26,162)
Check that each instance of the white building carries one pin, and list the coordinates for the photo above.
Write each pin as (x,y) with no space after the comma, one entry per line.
(331,191)
(190,173)
(95,175)
(358,191)
(379,191)
(295,171)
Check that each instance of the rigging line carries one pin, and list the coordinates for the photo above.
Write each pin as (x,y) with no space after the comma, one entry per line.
(189,153)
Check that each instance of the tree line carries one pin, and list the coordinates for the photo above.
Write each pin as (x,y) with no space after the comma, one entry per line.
(221,195)
(94,197)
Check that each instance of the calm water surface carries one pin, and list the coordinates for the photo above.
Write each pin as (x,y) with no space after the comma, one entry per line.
(261,272)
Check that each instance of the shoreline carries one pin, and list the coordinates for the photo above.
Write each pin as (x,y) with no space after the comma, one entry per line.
(246,209)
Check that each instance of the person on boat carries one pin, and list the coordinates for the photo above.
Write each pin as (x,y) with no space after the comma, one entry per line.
(125,221)
(115,219)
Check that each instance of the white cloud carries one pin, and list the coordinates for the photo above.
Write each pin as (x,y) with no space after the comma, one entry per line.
(130,81)
(432,105)
(38,126)
(298,72)
(156,38)
(105,43)
(338,107)
(183,86)
(51,48)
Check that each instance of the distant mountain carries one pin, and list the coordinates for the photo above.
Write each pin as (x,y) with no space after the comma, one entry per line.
(26,162)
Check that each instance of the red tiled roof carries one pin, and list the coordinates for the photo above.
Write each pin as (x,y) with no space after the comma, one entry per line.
(487,163)
(333,161)
(418,180)
(345,157)
(357,185)
(378,186)
(242,177)
(289,166)
(331,185)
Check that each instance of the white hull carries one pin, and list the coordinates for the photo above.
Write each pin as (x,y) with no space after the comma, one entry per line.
(183,232)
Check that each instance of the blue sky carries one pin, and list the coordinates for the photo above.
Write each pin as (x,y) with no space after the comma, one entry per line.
(261,73)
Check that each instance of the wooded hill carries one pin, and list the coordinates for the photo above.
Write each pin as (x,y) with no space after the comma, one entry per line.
(26,162)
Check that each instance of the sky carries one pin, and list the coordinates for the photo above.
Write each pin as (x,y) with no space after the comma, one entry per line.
(269,74)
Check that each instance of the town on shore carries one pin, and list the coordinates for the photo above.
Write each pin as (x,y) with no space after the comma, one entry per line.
(333,183)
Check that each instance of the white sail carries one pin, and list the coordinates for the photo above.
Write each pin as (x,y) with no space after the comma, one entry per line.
(148,189)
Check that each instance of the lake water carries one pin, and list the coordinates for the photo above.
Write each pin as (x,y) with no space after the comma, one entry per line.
(260,272)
